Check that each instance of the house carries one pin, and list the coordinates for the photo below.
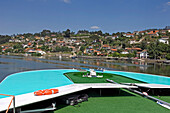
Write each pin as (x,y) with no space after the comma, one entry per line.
(132,41)
(47,37)
(98,52)
(53,35)
(40,51)
(165,41)
(165,37)
(30,51)
(37,37)
(125,52)
(154,33)
(133,49)
(113,50)
(128,35)
(115,37)
(136,32)
(142,32)
(163,31)
(143,54)
(112,37)
(54,39)
(29,44)
(11,40)
(16,40)
(42,38)
(89,50)
(106,46)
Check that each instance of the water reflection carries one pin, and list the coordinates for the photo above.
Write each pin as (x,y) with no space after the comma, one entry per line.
(12,64)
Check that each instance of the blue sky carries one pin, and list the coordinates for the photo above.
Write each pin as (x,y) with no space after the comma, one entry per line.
(22,16)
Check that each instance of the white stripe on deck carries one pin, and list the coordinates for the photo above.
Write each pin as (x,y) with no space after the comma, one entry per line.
(106,85)
(29,98)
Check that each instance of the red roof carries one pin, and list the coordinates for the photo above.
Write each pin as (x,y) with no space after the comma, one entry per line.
(114,49)
(153,32)
(129,34)
(106,45)
(142,31)
(133,49)
(29,44)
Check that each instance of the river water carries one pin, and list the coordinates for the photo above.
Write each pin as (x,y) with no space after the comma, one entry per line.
(13,64)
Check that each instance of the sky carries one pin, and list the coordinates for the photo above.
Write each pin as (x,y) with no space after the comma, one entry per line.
(23,16)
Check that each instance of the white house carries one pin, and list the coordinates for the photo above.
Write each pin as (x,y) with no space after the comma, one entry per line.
(143,54)
(41,52)
(128,35)
(124,52)
(165,41)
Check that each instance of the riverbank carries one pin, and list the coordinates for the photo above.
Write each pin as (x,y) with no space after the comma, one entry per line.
(163,61)
(69,55)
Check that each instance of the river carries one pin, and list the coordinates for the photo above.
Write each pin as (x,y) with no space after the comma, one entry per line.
(13,64)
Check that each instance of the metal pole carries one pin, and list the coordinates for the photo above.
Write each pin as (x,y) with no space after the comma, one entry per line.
(140,93)
(14,105)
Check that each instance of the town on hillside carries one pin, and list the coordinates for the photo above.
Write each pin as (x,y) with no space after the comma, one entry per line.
(146,44)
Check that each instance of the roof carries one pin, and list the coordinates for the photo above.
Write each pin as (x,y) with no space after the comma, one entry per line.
(134,49)
(153,32)
(114,49)
(142,31)
(29,43)
(106,45)
(129,34)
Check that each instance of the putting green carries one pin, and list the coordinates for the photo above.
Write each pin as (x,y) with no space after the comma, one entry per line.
(77,78)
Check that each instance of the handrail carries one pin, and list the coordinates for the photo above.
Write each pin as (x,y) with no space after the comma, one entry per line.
(13,99)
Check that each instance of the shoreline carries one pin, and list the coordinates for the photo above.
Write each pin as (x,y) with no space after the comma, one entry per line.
(68,55)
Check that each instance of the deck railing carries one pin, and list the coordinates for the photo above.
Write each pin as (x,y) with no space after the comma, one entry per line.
(13,99)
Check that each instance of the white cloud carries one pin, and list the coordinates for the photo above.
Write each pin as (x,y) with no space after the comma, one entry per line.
(66,1)
(94,27)
(168,3)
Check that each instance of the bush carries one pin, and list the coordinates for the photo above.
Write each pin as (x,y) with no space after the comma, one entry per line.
(116,54)
(168,56)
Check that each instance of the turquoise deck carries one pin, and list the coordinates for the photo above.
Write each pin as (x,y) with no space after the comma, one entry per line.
(30,81)
(148,78)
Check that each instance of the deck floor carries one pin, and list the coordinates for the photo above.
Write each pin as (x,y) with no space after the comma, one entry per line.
(29,98)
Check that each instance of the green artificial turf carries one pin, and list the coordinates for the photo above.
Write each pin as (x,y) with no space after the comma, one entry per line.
(76,77)
(122,102)
(115,104)
(164,98)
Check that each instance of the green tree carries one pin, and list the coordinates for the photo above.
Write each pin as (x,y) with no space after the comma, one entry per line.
(45,33)
(82,48)
(143,45)
(95,53)
(67,33)
(17,46)
(116,54)
(168,56)
(4,39)
(94,37)
(153,50)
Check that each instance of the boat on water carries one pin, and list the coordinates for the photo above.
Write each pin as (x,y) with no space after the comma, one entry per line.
(25,85)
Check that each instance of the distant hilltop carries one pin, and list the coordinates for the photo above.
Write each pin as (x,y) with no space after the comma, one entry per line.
(167,27)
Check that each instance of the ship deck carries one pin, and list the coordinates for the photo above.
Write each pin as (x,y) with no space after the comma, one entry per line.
(30,98)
